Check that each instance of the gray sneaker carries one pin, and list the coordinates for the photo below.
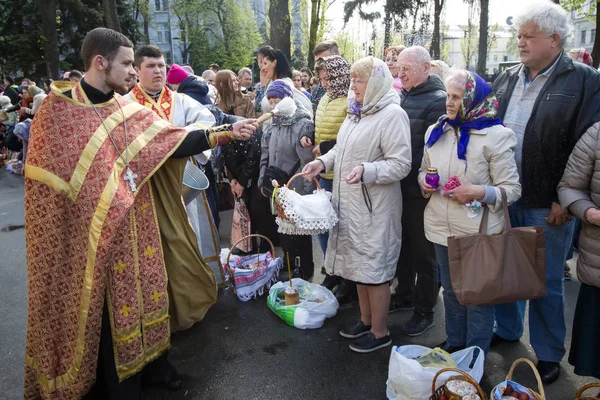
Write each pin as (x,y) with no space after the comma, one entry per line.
(418,324)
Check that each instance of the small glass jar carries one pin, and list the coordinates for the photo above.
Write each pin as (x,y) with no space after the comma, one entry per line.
(432,178)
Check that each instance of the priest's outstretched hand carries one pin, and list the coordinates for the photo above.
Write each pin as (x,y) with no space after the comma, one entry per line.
(243,130)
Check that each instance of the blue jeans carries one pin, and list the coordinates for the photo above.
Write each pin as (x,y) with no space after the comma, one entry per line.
(547,327)
(326,184)
(465,325)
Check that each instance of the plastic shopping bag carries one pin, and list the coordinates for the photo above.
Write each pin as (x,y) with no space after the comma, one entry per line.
(316,304)
(409,380)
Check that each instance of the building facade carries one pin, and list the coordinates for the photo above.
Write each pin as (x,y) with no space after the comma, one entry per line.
(584,28)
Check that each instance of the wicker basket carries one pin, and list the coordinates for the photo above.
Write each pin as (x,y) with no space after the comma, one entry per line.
(584,388)
(230,271)
(280,209)
(538,396)
(442,390)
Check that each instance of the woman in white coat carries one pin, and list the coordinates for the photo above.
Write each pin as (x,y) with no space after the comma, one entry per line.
(471,144)
(370,158)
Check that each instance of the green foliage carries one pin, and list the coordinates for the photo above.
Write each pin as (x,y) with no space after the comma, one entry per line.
(21,38)
(221,31)
(578,6)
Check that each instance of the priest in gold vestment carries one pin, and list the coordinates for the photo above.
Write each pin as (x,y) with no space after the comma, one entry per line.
(95,259)
(187,275)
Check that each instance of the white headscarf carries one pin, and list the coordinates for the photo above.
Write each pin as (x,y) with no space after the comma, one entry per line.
(380,91)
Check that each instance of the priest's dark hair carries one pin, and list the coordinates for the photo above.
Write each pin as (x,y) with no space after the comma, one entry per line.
(146,51)
(104,42)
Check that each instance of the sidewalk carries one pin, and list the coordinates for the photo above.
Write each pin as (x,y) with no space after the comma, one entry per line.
(243,350)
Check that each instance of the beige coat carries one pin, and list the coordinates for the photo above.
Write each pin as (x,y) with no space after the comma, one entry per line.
(365,245)
(579,190)
(491,162)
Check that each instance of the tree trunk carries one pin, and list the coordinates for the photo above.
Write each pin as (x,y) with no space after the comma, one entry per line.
(110,15)
(596,49)
(387,21)
(47,11)
(483,38)
(436,51)
(145,13)
(279,16)
(314,27)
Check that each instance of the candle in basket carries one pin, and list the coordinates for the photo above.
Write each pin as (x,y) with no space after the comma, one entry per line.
(432,178)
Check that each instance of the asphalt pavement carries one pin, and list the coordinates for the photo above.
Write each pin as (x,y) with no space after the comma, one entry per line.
(243,350)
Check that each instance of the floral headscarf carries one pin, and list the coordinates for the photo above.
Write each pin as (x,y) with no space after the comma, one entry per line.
(478,110)
(338,71)
(379,93)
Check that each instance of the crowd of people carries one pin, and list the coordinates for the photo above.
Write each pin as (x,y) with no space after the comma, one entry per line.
(368,132)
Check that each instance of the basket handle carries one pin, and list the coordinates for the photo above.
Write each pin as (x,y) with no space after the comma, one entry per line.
(229,271)
(303,174)
(586,387)
(535,373)
(472,381)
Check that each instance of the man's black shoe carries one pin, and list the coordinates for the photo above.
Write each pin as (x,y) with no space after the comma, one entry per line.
(398,304)
(549,371)
(418,324)
(449,349)
(497,339)
(169,380)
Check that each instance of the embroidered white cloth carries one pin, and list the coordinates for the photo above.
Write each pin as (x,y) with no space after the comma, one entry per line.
(305,215)
(254,273)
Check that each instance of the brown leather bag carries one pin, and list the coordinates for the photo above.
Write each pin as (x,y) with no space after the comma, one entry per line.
(500,268)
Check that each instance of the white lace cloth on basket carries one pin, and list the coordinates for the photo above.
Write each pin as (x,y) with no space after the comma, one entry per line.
(305,215)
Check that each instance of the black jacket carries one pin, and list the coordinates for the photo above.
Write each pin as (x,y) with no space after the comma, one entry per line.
(424,104)
(242,159)
(12,94)
(196,89)
(568,104)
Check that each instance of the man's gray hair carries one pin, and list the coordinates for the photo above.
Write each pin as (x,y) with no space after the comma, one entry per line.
(418,53)
(207,72)
(549,17)
(243,71)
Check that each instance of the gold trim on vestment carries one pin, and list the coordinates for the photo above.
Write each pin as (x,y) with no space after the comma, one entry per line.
(95,143)
(97,224)
(59,87)
(48,178)
(157,104)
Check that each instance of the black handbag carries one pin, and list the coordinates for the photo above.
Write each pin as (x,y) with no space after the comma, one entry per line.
(276,173)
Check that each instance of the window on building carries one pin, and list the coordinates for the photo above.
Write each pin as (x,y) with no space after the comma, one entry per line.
(495,57)
(593,35)
(583,37)
(161,5)
(164,33)
(167,55)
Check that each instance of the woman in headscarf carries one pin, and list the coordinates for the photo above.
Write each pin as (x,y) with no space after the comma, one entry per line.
(334,74)
(371,156)
(582,55)
(38,95)
(472,146)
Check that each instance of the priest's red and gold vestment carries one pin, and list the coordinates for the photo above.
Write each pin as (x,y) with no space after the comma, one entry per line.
(90,239)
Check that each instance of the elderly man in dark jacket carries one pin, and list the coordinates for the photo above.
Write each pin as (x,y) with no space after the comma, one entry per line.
(549,101)
(423,98)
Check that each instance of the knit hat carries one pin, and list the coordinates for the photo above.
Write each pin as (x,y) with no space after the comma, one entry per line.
(279,89)
(176,75)
(188,69)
